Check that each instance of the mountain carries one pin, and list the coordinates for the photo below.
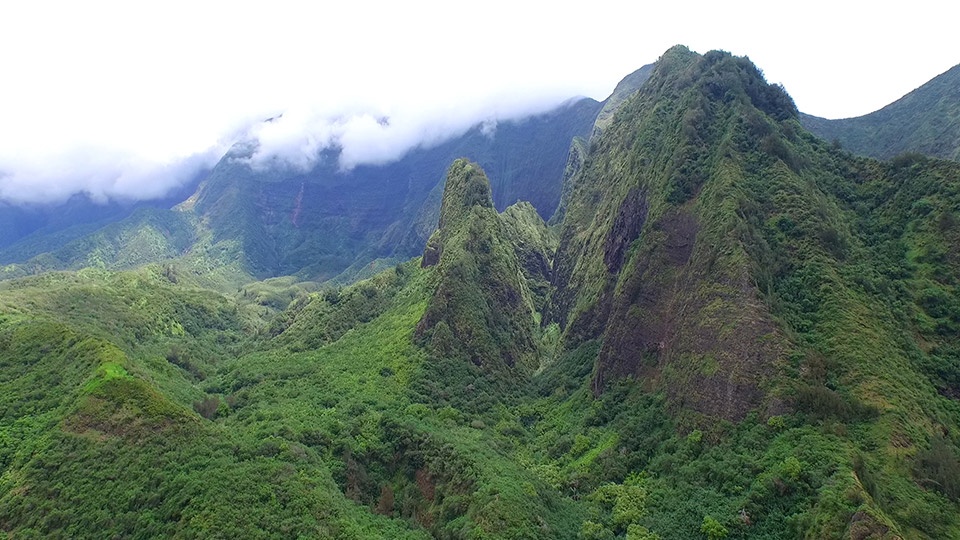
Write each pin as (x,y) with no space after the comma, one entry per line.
(653,236)
(378,212)
(737,265)
(40,228)
(734,330)
(322,224)
(926,121)
(624,89)
(143,374)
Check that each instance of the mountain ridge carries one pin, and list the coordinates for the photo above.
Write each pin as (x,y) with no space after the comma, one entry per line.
(925,121)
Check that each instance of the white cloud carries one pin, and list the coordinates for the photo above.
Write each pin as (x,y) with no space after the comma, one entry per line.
(125,99)
(101,173)
(371,134)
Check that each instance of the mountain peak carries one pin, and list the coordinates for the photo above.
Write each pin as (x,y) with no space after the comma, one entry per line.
(467,186)
(651,242)
(481,310)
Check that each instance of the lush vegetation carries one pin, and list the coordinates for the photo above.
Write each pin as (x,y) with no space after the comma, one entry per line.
(740,266)
(735,330)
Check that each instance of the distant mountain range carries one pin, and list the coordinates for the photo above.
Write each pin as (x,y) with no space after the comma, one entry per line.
(317,225)
(241,224)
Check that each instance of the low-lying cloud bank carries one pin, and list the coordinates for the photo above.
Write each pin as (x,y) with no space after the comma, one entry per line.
(379,135)
(130,99)
(364,134)
(102,173)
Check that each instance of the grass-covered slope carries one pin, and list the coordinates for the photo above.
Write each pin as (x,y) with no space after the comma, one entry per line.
(147,236)
(926,121)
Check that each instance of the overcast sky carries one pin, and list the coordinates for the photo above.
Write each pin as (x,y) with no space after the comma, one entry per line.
(128,99)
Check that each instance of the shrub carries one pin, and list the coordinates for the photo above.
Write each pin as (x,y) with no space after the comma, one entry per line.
(939,466)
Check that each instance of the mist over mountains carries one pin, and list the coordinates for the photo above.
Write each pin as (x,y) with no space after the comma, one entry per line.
(276,218)
(361,133)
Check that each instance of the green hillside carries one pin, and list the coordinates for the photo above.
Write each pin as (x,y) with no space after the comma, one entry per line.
(926,121)
(734,329)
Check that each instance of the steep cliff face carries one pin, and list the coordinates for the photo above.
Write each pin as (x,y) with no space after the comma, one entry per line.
(651,259)
(482,309)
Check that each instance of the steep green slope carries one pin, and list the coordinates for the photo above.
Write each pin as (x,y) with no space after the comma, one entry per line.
(31,229)
(534,245)
(578,147)
(739,266)
(679,297)
(624,89)
(482,310)
(480,330)
(927,121)
(107,421)
(146,236)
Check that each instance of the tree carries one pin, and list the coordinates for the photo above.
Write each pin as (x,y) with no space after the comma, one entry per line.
(713,528)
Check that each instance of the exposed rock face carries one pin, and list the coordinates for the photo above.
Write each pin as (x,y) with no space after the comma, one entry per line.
(626,228)
(707,341)
(431,252)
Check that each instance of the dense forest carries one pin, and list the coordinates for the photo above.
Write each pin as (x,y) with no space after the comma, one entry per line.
(730,328)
